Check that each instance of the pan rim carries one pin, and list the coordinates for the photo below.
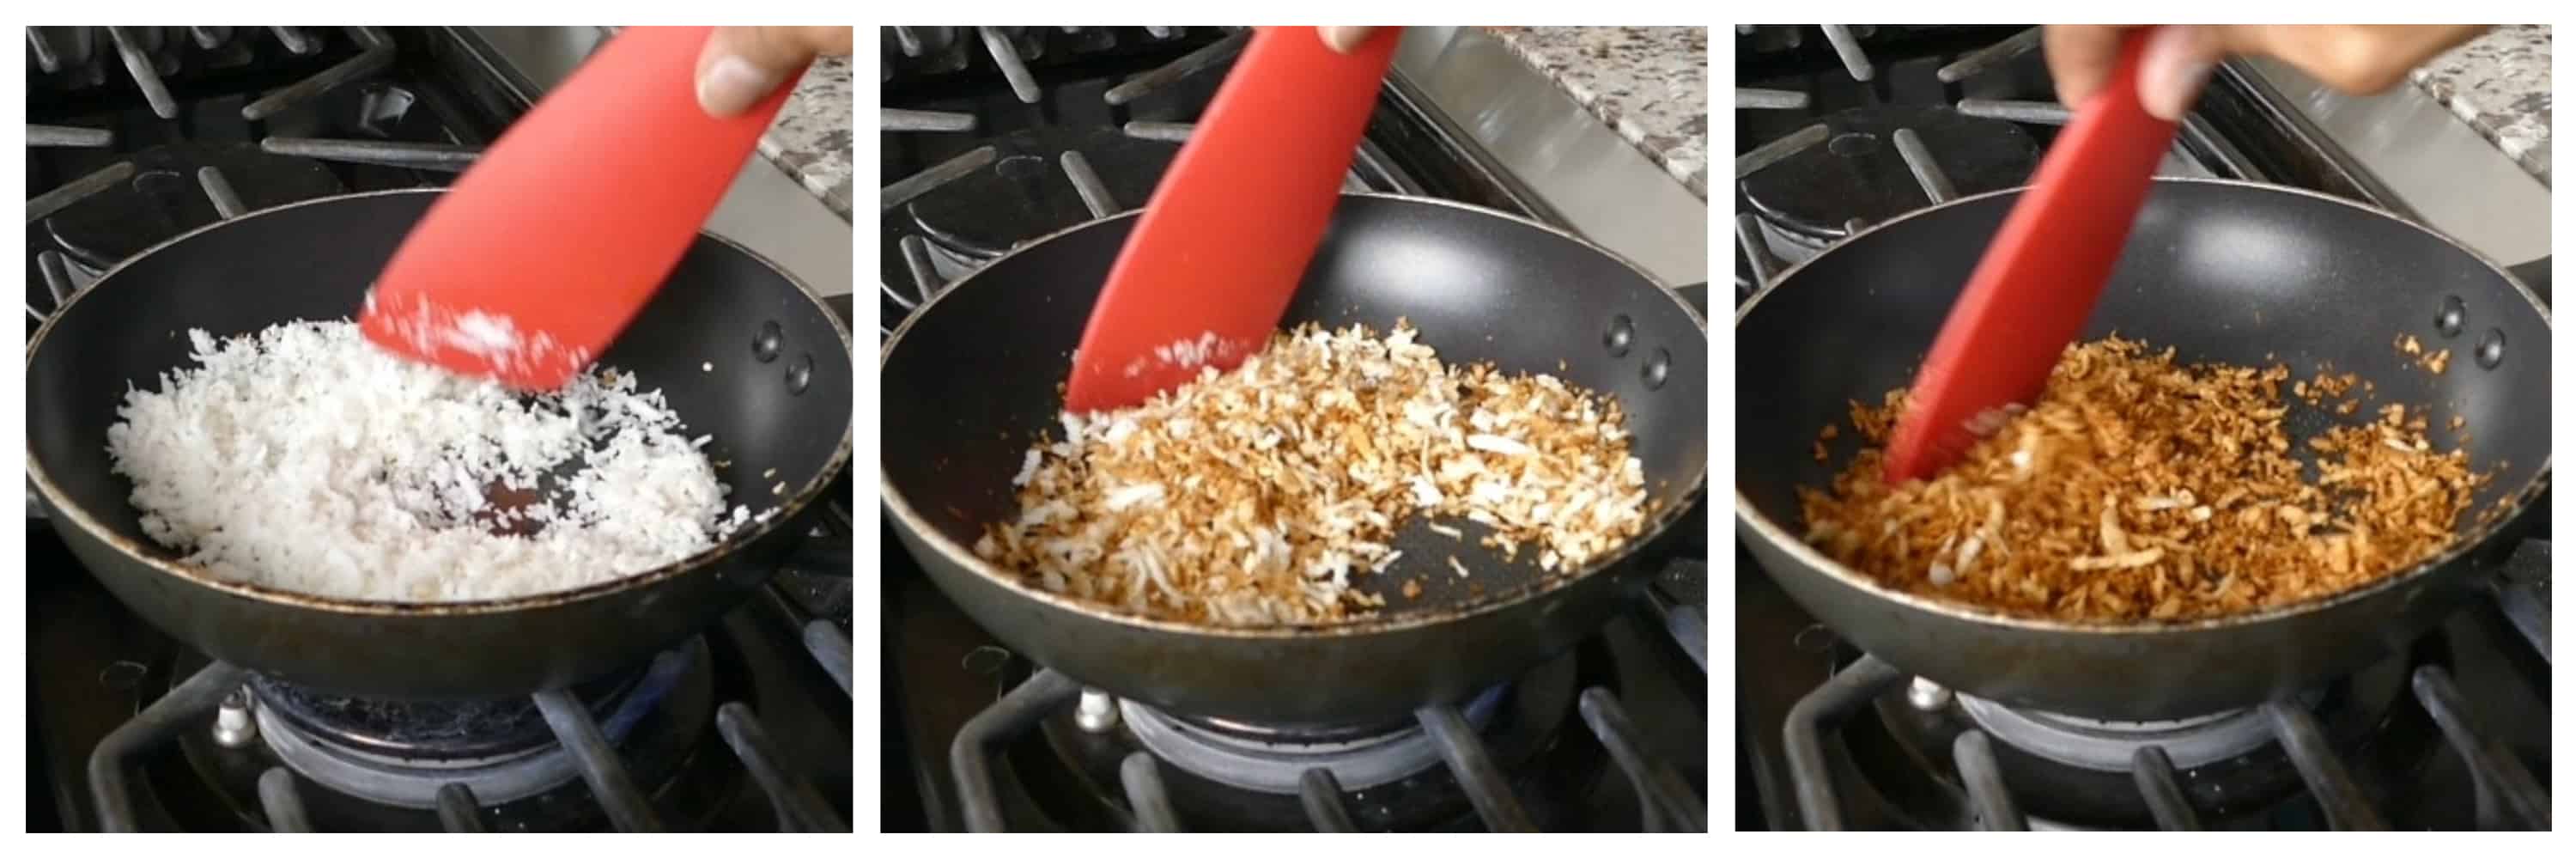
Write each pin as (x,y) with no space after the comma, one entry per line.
(895,502)
(1749,516)
(788,511)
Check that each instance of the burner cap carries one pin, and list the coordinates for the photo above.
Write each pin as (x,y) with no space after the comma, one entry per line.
(428,730)
(1856,172)
(1273,759)
(2110,746)
(401,752)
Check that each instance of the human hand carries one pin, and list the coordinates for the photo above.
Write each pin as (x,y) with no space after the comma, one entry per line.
(2356,58)
(1344,40)
(742,65)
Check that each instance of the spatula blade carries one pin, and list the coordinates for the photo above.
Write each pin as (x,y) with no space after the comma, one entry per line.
(534,261)
(1218,252)
(2038,283)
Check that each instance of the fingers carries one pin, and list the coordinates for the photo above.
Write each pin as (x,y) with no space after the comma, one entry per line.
(1344,40)
(2355,58)
(742,65)
(2171,70)
(2080,57)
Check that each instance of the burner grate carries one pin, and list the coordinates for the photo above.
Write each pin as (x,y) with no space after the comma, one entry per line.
(798,805)
(151,56)
(99,236)
(920,205)
(2508,797)
(1669,803)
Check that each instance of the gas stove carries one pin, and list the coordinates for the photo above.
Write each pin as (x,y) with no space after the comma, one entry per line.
(144,133)
(996,136)
(1838,128)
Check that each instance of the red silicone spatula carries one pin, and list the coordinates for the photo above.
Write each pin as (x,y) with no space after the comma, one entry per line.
(2038,282)
(1214,259)
(547,248)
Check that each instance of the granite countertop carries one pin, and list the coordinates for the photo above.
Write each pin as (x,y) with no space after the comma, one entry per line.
(1649,83)
(2499,84)
(811,138)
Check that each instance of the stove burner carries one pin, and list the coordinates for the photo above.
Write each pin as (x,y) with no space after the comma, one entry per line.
(1811,197)
(164,199)
(403,753)
(2068,771)
(1273,759)
(2111,746)
(1025,194)
(426,730)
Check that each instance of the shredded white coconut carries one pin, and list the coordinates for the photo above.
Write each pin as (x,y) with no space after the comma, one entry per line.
(303,458)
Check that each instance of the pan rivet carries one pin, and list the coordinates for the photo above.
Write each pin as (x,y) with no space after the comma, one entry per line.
(1657,368)
(1617,339)
(2491,349)
(800,374)
(765,346)
(2454,316)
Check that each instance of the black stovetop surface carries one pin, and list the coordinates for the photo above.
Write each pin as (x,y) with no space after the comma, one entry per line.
(94,664)
(435,91)
(2241,129)
(941,669)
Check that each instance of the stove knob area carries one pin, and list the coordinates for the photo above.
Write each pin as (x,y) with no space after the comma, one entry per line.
(233,725)
(1926,695)
(1097,713)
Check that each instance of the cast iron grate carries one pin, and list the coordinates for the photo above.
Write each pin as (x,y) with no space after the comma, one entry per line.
(928,266)
(194,703)
(1667,800)
(2508,796)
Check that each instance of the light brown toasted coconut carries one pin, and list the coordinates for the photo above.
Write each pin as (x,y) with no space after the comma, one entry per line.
(1256,496)
(2143,489)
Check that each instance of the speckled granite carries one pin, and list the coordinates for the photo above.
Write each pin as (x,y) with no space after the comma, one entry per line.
(1650,83)
(2500,85)
(811,139)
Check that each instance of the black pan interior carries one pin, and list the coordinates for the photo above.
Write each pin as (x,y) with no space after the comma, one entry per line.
(314,261)
(974,378)
(2219,271)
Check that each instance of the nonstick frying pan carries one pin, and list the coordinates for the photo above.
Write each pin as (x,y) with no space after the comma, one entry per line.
(971,378)
(2221,271)
(777,402)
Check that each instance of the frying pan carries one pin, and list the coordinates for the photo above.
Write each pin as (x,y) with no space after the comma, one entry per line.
(971,378)
(777,398)
(2221,271)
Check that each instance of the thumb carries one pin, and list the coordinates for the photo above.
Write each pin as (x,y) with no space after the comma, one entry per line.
(1344,39)
(742,65)
(2176,62)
